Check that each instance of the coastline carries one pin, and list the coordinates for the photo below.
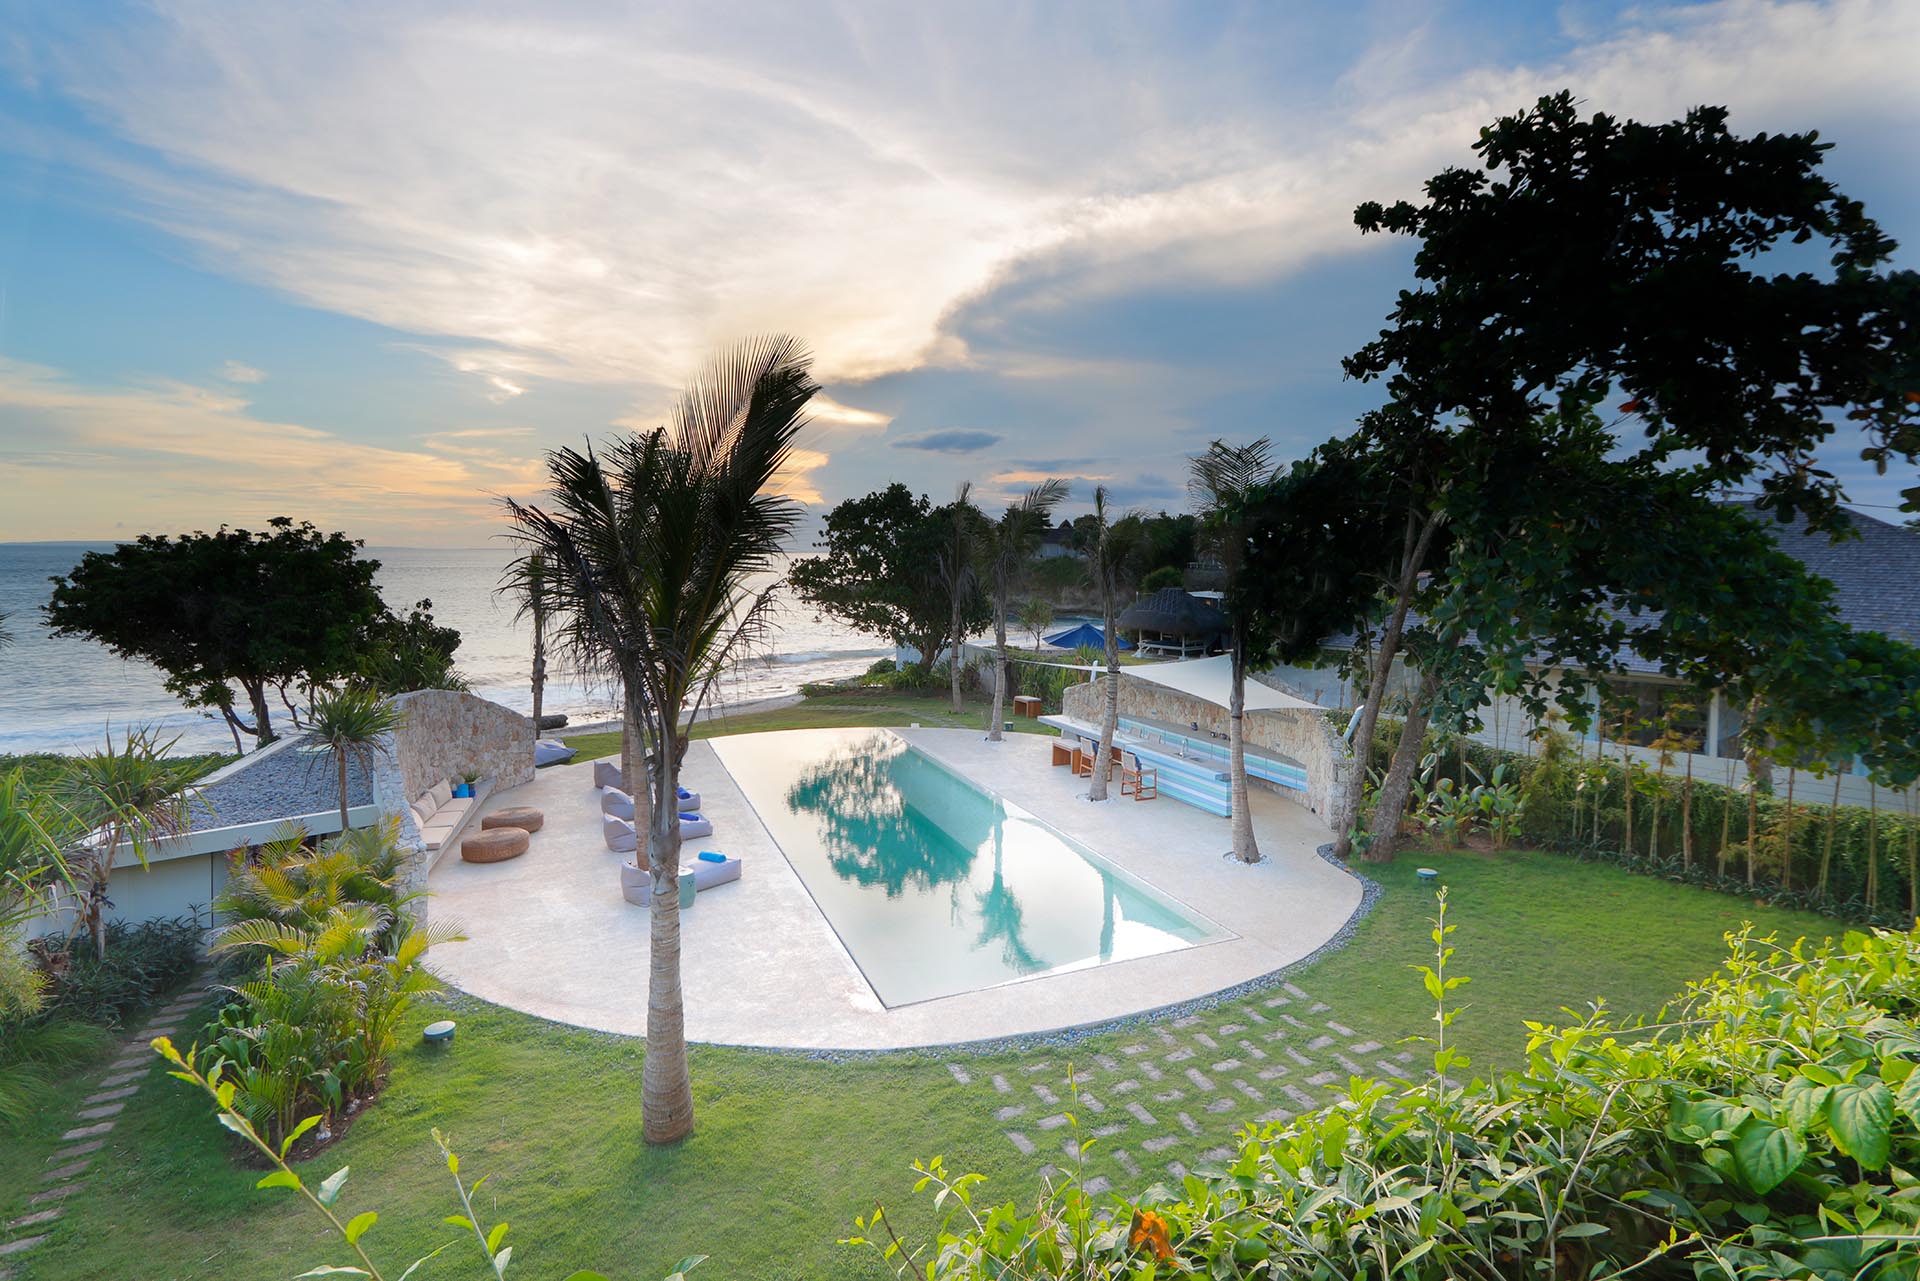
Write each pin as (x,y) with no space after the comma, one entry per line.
(747,708)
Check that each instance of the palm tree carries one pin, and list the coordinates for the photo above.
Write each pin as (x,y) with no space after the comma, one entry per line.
(1116,550)
(1218,479)
(132,795)
(1009,545)
(645,556)
(959,573)
(354,724)
(533,608)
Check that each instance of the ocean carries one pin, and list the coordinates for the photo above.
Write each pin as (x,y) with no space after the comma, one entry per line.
(63,694)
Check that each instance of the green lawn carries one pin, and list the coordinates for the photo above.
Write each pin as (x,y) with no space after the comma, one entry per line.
(854,706)
(789,1149)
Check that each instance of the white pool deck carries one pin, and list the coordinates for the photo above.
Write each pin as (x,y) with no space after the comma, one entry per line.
(549,934)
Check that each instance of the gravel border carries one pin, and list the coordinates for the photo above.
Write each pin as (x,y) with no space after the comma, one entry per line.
(1061,1038)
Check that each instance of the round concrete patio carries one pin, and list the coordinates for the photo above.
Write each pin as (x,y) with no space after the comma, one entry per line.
(549,933)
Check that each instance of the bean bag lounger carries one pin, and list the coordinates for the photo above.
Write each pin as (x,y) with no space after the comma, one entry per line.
(550,751)
(606,773)
(694,825)
(689,801)
(619,835)
(706,874)
(616,803)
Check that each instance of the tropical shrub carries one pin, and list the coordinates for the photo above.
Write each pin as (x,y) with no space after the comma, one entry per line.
(325,1198)
(326,960)
(1764,1127)
(34,1045)
(1855,862)
(1163,577)
(144,962)
(311,1034)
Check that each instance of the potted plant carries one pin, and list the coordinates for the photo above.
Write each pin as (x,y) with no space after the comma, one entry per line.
(467,779)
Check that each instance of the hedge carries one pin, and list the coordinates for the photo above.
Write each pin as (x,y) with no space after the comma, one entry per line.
(1849,861)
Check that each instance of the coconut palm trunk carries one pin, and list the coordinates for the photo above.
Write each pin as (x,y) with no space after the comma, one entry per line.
(1013,541)
(1245,848)
(1114,550)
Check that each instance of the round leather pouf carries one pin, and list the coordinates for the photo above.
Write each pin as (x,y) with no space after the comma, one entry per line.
(494,845)
(524,817)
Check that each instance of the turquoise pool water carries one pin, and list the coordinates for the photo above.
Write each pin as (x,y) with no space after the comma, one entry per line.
(934,885)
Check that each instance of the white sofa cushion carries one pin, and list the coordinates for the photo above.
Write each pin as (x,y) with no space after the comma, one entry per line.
(441,793)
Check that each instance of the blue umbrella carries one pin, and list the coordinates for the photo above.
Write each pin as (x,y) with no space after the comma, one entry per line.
(1085,635)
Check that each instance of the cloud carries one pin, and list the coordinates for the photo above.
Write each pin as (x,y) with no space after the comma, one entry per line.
(950,442)
(235,371)
(170,455)
(825,411)
(658,183)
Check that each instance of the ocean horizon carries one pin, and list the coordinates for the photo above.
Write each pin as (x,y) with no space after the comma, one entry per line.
(64,694)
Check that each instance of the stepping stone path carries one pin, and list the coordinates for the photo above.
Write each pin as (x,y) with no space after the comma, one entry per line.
(1227,1064)
(93,1120)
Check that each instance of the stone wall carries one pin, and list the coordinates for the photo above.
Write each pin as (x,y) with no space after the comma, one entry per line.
(448,733)
(445,734)
(1303,735)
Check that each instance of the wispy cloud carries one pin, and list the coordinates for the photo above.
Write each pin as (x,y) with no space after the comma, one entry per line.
(658,183)
(235,371)
(954,441)
(171,455)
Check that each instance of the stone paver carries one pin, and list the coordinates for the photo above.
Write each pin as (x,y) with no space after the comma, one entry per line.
(102,1112)
(1196,1112)
(66,1171)
(78,1149)
(108,1096)
(86,1131)
(19,1244)
(60,1193)
(125,1078)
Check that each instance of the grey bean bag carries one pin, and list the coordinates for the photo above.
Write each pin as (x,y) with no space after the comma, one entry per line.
(689,802)
(606,773)
(550,751)
(617,803)
(707,875)
(618,834)
(694,825)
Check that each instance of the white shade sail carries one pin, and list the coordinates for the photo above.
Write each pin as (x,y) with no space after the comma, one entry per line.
(1211,679)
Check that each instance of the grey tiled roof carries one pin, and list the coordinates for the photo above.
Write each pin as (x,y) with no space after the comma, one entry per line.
(1876,577)
(279,784)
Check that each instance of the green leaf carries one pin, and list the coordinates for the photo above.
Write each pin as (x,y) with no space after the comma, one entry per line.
(330,1189)
(279,1179)
(327,1270)
(293,1135)
(1907,1098)
(1806,1102)
(494,1237)
(459,1221)
(415,1265)
(1584,1230)
(358,1225)
(1764,1154)
(1860,1116)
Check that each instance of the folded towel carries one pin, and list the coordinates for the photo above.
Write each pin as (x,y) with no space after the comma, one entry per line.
(708,856)
(684,793)
(690,818)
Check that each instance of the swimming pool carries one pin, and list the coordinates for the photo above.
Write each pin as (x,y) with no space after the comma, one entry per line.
(934,885)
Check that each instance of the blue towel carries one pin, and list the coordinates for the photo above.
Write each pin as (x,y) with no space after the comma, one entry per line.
(708,856)
(684,793)
(689,818)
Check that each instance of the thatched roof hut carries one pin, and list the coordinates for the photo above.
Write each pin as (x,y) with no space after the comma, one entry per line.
(1176,616)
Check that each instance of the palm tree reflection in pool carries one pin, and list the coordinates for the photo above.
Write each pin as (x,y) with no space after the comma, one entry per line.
(875,838)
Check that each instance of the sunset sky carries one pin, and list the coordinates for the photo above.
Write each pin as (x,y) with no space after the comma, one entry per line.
(362,263)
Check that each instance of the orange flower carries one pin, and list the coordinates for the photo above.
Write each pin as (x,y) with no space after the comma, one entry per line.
(1150,1230)
(1630,406)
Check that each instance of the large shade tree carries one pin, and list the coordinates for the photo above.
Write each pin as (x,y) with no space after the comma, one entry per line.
(1008,544)
(267,611)
(654,555)
(1727,375)
(875,570)
(1219,481)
